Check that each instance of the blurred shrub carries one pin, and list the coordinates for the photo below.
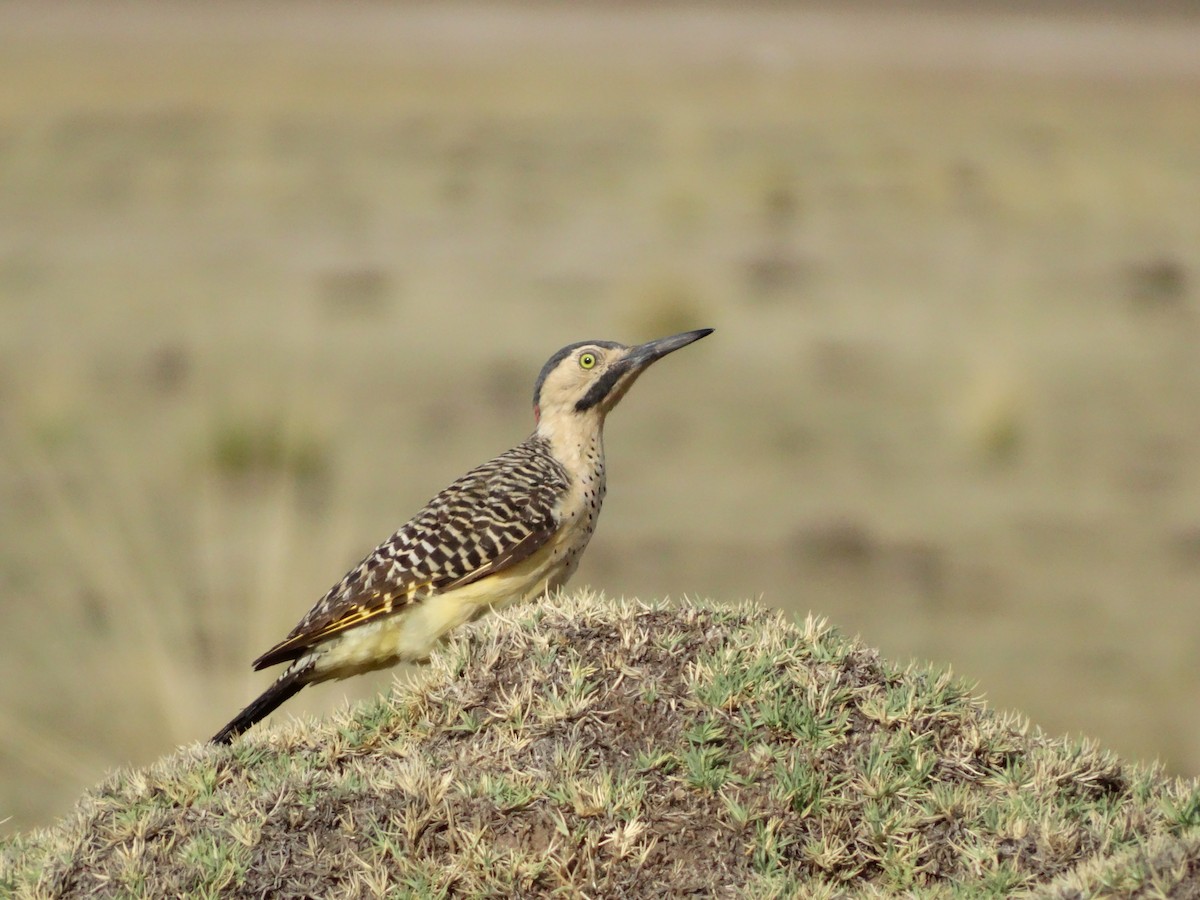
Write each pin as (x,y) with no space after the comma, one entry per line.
(243,448)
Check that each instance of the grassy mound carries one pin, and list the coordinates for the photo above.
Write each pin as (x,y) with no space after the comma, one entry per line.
(588,747)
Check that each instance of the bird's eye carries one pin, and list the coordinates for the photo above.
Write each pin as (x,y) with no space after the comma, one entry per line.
(587,360)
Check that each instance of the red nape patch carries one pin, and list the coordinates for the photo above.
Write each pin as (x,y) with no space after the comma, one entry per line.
(537,413)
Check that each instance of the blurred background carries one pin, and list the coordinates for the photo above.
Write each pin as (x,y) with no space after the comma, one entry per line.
(271,275)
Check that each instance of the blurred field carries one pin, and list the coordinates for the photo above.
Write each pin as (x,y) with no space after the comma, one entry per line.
(271,276)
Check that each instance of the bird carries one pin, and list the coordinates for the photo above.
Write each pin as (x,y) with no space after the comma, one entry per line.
(509,530)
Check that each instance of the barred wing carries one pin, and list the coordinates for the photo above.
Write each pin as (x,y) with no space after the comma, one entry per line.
(493,517)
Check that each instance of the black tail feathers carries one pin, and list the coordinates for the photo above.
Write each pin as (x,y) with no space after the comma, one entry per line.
(288,685)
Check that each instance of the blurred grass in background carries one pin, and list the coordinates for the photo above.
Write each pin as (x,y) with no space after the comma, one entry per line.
(270,276)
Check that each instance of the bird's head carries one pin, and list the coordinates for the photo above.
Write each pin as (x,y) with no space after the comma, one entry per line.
(590,377)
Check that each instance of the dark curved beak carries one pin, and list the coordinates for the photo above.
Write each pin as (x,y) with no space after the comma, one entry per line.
(644,354)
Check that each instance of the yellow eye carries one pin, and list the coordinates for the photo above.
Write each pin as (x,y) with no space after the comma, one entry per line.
(587,360)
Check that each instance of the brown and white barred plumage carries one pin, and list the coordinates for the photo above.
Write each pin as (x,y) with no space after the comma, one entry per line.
(494,516)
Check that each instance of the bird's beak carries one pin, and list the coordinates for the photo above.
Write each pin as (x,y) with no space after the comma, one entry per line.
(624,372)
(607,391)
(644,354)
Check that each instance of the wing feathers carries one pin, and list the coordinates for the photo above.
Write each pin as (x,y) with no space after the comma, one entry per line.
(519,551)
(363,610)
(495,516)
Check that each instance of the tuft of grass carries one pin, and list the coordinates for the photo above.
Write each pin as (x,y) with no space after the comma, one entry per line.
(1160,282)
(245,448)
(584,746)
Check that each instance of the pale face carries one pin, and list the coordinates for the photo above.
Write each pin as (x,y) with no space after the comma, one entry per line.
(587,374)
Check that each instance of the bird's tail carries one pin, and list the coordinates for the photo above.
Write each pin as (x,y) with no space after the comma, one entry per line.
(286,686)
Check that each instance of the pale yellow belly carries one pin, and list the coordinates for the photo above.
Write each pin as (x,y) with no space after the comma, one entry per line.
(410,635)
